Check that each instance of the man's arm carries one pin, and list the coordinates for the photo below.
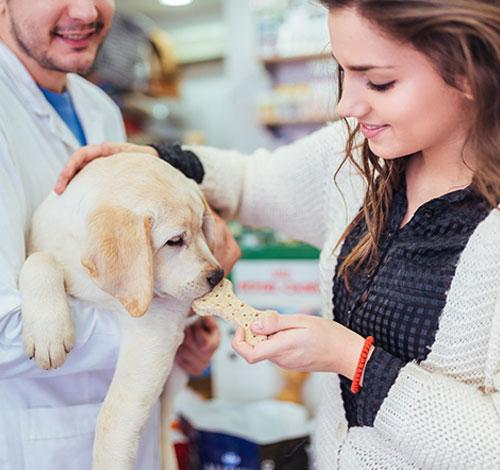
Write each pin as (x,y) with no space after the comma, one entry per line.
(97,334)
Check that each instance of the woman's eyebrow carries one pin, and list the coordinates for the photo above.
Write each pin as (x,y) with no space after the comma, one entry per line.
(362,68)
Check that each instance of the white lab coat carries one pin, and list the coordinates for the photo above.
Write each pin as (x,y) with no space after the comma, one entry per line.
(47,418)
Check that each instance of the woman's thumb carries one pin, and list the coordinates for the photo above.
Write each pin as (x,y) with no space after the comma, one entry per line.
(267,324)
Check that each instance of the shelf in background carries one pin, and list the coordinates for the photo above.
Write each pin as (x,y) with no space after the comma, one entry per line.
(202,61)
(270,61)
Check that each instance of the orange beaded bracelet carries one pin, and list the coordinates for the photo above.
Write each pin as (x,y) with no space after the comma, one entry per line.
(355,387)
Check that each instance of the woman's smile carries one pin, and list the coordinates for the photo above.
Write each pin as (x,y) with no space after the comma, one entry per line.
(370,131)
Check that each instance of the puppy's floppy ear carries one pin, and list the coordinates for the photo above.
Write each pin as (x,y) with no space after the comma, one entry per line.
(208,226)
(119,257)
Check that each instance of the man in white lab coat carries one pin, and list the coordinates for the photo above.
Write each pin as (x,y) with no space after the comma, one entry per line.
(47,419)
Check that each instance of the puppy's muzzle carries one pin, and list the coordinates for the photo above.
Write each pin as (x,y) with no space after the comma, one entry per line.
(215,277)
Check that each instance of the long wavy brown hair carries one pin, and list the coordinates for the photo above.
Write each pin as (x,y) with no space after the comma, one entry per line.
(462,40)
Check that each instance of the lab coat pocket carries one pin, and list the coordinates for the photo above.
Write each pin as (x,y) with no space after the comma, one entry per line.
(59,438)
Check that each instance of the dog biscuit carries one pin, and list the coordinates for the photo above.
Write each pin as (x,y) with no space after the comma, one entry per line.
(222,301)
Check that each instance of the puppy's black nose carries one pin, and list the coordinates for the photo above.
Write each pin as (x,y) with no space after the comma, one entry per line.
(215,277)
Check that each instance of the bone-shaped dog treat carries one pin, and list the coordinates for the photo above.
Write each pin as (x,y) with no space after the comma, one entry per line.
(222,301)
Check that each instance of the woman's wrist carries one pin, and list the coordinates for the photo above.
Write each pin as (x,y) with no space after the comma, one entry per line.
(348,346)
(370,352)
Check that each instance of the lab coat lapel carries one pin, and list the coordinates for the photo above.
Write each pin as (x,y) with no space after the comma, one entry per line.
(26,88)
(92,120)
(59,128)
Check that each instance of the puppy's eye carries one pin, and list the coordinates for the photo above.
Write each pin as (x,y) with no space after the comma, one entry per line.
(176,241)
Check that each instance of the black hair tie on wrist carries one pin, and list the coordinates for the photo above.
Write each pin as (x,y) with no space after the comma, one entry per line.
(184,160)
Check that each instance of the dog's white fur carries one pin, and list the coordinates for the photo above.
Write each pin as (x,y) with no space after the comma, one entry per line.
(112,238)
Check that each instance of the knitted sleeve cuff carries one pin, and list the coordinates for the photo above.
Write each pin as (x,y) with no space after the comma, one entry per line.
(224,179)
(185,161)
(381,372)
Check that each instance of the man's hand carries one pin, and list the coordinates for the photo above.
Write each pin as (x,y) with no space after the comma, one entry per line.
(88,153)
(200,342)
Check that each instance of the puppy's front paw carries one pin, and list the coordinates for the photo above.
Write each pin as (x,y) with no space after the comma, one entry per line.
(48,335)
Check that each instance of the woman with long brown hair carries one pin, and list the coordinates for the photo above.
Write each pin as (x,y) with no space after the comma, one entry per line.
(408,221)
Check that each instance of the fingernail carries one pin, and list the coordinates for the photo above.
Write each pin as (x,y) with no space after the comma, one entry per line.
(257,325)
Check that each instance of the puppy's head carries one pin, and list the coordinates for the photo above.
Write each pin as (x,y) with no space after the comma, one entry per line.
(184,266)
(151,237)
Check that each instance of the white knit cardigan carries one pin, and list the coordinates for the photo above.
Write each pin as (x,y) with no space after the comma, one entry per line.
(443,413)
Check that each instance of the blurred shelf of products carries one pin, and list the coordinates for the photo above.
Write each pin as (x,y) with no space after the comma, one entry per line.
(297,104)
(138,67)
(292,43)
(185,74)
(289,28)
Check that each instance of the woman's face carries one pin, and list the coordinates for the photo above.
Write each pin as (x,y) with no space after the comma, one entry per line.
(399,99)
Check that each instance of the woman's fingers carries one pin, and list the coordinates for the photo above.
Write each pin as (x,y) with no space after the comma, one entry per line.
(274,322)
(265,350)
(227,250)
(283,332)
(239,344)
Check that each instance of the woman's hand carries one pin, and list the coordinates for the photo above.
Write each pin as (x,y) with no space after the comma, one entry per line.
(88,153)
(200,342)
(226,250)
(303,342)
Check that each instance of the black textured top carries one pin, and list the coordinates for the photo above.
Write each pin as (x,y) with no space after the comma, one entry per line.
(184,160)
(399,303)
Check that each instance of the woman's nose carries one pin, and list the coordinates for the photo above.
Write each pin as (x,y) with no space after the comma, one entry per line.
(352,103)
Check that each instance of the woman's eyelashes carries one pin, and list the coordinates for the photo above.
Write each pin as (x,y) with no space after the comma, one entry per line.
(372,86)
(382,86)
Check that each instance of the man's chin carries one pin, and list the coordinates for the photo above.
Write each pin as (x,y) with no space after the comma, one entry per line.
(78,65)
(70,60)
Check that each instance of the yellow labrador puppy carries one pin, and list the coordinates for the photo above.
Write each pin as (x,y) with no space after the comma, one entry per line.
(130,233)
